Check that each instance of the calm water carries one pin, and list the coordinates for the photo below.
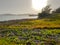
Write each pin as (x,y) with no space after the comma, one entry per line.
(14,17)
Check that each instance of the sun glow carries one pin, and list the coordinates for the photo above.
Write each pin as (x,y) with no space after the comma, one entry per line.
(38,4)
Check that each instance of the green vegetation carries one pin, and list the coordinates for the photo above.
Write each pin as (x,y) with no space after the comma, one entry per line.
(41,31)
(22,36)
(35,31)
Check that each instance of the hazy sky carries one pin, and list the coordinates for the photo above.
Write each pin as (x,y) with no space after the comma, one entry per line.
(54,3)
(22,6)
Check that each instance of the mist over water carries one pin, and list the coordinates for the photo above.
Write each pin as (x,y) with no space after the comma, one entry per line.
(15,17)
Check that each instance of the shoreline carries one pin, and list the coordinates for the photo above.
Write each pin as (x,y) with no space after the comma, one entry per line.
(19,20)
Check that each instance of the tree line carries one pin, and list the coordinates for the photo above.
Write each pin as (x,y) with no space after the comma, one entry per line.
(47,11)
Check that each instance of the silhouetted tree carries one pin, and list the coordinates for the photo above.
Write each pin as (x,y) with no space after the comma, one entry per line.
(56,11)
(45,12)
(46,9)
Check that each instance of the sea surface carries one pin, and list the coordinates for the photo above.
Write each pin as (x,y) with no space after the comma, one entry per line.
(6,17)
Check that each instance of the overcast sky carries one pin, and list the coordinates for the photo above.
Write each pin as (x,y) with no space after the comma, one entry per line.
(54,3)
(22,6)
